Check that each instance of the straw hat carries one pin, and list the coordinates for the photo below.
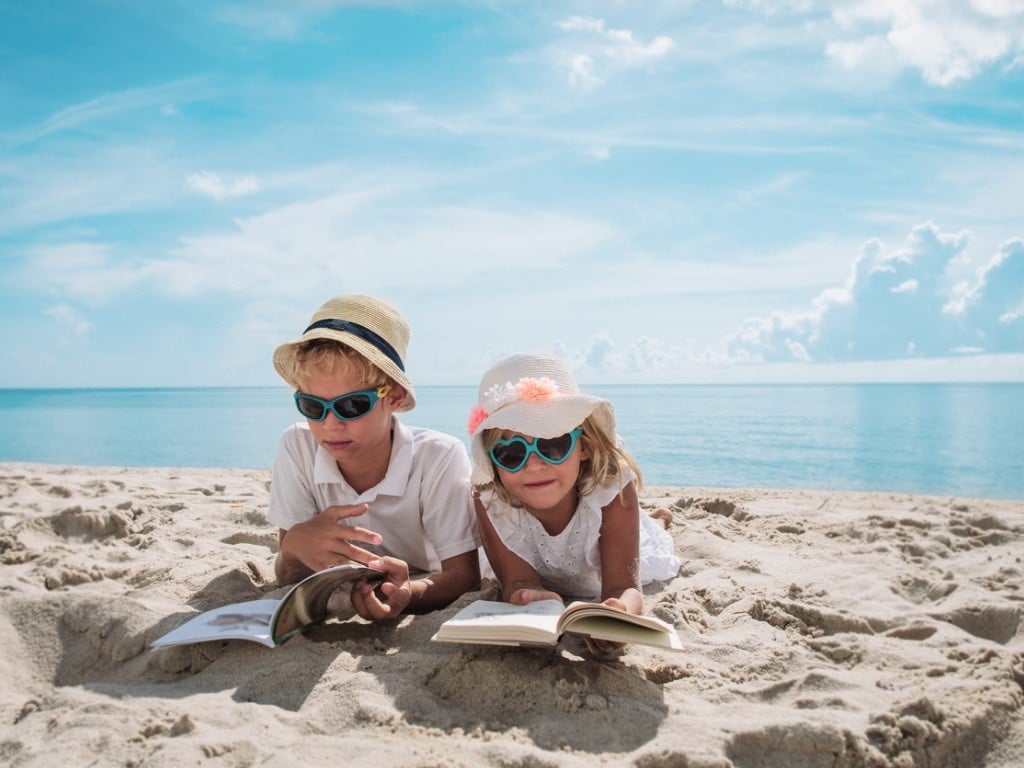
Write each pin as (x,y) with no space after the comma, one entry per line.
(368,325)
(535,395)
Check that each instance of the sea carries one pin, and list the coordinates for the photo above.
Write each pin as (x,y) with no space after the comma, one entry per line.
(959,439)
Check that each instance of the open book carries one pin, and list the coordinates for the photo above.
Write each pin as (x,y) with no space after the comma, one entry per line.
(270,621)
(545,621)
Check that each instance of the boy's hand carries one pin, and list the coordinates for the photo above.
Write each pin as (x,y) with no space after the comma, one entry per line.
(527,595)
(390,597)
(324,542)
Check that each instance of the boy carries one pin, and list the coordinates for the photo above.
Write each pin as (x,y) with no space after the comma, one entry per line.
(353,483)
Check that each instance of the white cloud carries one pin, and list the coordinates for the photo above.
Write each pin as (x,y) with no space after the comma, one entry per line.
(85,272)
(116,105)
(581,72)
(68,323)
(605,50)
(349,239)
(602,359)
(948,41)
(213,185)
(898,304)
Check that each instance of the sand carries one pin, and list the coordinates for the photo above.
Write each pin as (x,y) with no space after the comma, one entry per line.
(820,629)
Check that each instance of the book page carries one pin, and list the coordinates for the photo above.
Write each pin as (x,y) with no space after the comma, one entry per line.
(238,621)
(606,623)
(615,629)
(497,623)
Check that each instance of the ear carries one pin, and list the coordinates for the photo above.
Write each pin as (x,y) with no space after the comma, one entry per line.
(396,397)
(581,446)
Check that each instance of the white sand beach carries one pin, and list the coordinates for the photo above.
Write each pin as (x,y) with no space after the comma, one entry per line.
(820,629)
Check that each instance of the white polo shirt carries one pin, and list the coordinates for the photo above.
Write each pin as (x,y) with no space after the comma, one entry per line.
(422,508)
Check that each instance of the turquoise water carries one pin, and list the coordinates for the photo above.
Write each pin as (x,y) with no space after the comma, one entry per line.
(959,439)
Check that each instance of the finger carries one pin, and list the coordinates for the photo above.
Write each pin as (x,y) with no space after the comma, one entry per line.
(349,553)
(359,603)
(345,511)
(354,533)
(375,609)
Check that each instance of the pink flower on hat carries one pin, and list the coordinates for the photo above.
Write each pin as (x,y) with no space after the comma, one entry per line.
(477,415)
(531,390)
(526,390)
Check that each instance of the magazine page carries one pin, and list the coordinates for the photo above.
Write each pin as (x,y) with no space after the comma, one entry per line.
(306,602)
(238,621)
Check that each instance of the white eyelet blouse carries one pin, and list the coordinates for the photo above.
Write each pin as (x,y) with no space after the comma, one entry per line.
(570,562)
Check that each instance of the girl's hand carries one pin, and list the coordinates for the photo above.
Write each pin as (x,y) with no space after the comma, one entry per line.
(527,595)
(606,648)
(389,598)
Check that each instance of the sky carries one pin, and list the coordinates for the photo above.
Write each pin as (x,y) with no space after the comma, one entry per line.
(695,191)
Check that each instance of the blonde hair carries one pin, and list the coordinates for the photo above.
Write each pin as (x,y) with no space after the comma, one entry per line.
(606,463)
(329,356)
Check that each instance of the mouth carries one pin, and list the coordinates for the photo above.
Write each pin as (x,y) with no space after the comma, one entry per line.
(539,484)
(336,445)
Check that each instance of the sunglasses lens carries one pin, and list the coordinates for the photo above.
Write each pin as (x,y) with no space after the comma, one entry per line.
(555,448)
(353,406)
(311,409)
(509,456)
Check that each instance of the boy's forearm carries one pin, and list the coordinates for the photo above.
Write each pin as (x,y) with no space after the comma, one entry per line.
(289,569)
(439,590)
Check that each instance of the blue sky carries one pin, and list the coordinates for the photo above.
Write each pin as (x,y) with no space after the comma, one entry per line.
(748,190)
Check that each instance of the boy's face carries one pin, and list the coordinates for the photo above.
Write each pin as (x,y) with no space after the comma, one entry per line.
(361,445)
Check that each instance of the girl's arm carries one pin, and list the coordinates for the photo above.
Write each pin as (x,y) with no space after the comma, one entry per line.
(520,583)
(620,552)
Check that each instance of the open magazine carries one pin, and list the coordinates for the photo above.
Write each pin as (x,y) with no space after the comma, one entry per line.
(270,621)
(545,621)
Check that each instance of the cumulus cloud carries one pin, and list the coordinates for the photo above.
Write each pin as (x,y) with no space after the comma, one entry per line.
(898,305)
(643,356)
(946,40)
(213,185)
(606,50)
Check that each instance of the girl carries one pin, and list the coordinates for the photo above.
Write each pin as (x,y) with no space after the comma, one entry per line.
(556,495)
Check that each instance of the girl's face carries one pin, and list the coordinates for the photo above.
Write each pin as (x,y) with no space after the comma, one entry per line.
(541,486)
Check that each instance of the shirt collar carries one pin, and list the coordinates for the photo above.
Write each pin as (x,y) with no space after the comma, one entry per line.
(325,468)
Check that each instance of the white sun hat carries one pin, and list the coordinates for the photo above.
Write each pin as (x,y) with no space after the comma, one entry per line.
(535,395)
(368,325)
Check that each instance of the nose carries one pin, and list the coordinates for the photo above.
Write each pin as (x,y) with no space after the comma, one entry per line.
(533,461)
(332,417)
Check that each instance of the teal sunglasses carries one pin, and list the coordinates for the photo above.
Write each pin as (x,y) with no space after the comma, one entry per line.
(349,407)
(512,454)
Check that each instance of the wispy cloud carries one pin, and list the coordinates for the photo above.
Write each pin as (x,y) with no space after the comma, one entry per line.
(162,99)
(214,185)
(89,273)
(69,325)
